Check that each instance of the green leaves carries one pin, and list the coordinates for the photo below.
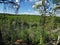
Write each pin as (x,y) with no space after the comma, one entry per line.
(11,29)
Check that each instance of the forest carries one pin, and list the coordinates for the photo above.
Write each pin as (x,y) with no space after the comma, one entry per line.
(26,29)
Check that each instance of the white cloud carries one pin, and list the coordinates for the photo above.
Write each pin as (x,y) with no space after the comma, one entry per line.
(17,0)
(39,3)
(36,12)
(31,0)
(31,13)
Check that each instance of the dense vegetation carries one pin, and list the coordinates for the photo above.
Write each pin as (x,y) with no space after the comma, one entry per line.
(27,28)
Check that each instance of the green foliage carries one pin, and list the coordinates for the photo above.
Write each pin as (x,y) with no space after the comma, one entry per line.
(54,36)
(46,38)
(12,28)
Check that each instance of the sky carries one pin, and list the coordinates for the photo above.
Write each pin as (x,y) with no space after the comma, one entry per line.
(25,7)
